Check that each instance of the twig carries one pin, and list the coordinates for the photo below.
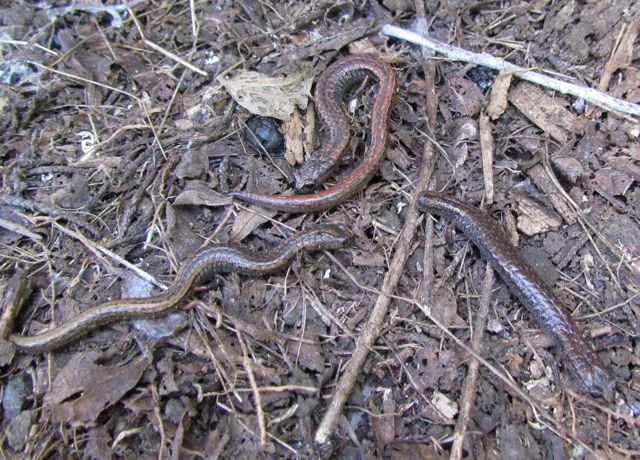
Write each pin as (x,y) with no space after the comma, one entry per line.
(19,229)
(163,51)
(175,57)
(470,382)
(611,413)
(254,387)
(157,411)
(455,53)
(97,249)
(47,209)
(373,326)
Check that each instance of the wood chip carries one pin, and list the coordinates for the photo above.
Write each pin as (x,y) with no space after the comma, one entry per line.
(546,112)
(486,144)
(499,95)
(292,130)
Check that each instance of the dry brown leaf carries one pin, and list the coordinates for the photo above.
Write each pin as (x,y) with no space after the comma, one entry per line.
(308,354)
(193,164)
(268,96)
(568,167)
(465,97)
(99,387)
(247,221)
(400,158)
(447,311)
(200,194)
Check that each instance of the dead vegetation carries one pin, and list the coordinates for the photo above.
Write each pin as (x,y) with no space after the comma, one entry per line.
(123,135)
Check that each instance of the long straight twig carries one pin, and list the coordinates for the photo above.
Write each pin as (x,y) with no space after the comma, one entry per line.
(374,324)
(455,53)
(99,250)
(471,381)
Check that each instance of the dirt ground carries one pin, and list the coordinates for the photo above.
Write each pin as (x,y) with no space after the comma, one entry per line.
(124,131)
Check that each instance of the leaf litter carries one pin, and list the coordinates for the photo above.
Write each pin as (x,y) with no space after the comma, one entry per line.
(166,148)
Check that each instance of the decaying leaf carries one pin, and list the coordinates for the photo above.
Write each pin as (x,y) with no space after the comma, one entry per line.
(247,221)
(98,386)
(200,194)
(270,96)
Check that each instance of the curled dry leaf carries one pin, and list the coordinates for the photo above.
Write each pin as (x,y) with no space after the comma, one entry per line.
(270,96)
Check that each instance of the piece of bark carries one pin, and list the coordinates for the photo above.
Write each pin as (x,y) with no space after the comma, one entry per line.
(499,95)
(487,146)
(546,185)
(536,219)
(546,112)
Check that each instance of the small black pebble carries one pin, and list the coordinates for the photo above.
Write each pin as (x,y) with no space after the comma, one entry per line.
(263,130)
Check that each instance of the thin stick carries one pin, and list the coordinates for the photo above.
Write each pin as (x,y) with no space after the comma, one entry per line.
(97,249)
(175,57)
(374,324)
(471,381)
(455,53)
(254,387)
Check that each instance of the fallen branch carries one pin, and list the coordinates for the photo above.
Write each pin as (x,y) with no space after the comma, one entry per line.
(454,53)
